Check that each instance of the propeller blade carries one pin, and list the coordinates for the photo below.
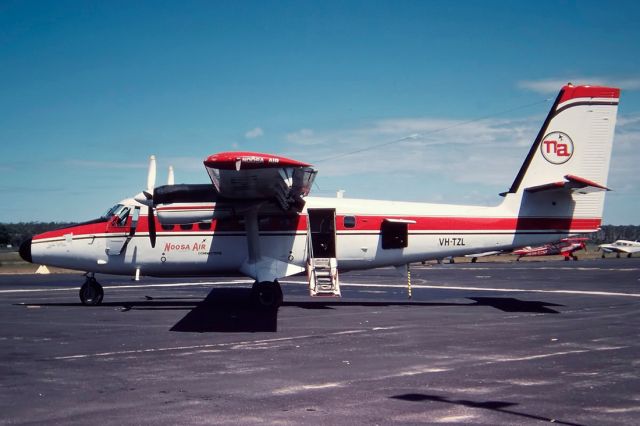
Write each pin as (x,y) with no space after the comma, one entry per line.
(144,198)
(152,226)
(151,176)
(170,178)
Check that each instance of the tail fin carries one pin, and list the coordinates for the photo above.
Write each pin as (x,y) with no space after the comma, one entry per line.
(565,173)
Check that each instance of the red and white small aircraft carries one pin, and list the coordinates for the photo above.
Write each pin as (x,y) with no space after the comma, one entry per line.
(620,247)
(256,218)
(565,247)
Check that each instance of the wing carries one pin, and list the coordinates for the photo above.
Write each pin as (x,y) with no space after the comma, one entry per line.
(239,181)
(257,176)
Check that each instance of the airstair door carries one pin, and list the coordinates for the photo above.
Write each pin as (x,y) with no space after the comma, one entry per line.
(322,224)
(322,263)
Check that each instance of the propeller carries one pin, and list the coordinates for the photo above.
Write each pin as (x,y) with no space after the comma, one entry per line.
(170,178)
(151,183)
(151,218)
(151,175)
(146,198)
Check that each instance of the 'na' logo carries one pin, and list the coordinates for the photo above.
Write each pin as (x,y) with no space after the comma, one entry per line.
(557,148)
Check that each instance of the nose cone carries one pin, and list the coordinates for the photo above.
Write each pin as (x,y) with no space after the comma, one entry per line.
(25,251)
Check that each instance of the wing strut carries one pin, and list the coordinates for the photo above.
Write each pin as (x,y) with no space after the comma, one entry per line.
(262,268)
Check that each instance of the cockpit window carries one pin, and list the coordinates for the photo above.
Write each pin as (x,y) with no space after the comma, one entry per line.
(123,214)
(119,210)
(109,213)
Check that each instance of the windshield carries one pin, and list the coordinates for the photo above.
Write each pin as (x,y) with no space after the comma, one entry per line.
(119,210)
(111,211)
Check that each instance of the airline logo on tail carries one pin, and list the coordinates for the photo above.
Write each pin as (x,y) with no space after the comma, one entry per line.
(557,148)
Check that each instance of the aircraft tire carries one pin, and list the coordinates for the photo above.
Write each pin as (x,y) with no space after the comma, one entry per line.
(266,294)
(91,293)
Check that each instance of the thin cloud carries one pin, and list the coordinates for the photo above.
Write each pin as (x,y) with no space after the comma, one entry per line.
(450,149)
(548,86)
(427,155)
(254,133)
(304,137)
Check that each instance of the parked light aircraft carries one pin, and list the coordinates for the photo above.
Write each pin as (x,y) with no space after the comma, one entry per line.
(256,218)
(620,246)
(565,247)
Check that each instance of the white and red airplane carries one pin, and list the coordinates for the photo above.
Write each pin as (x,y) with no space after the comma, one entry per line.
(565,247)
(256,218)
(620,247)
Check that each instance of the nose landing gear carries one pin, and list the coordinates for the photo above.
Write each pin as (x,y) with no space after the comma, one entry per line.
(91,292)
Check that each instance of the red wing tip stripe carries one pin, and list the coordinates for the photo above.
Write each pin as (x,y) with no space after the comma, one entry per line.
(253,160)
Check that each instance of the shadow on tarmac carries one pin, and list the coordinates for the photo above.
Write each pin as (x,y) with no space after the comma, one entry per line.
(229,310)
(499,406)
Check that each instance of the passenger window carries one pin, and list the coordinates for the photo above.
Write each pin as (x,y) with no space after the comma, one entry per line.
(167,227)
(204,226)
(186,227)
(349,221)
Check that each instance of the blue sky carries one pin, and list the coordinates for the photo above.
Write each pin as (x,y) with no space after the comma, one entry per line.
(88,90)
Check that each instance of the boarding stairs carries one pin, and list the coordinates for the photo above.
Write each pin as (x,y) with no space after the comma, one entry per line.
(323,277)
(322,273)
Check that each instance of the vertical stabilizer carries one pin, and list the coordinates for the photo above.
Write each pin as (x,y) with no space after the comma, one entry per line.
(565,173)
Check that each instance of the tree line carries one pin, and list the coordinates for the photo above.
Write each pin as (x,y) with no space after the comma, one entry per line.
(15,233)
(610,233)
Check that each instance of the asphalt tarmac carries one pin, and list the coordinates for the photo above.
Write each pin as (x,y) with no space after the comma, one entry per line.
(485,343)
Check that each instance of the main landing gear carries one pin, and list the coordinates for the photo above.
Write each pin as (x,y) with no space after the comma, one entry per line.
(266,294)
(91,292)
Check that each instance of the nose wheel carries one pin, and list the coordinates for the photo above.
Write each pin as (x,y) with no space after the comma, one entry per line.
(266,294)
(91,292)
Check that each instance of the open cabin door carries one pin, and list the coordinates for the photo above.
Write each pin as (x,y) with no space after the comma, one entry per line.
(322,224)
(322,263)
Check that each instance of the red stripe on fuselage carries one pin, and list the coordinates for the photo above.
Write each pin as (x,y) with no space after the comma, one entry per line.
(88,229)
(371,223)
(293,223)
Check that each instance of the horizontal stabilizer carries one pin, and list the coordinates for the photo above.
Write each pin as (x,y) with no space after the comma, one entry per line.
(572,183)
